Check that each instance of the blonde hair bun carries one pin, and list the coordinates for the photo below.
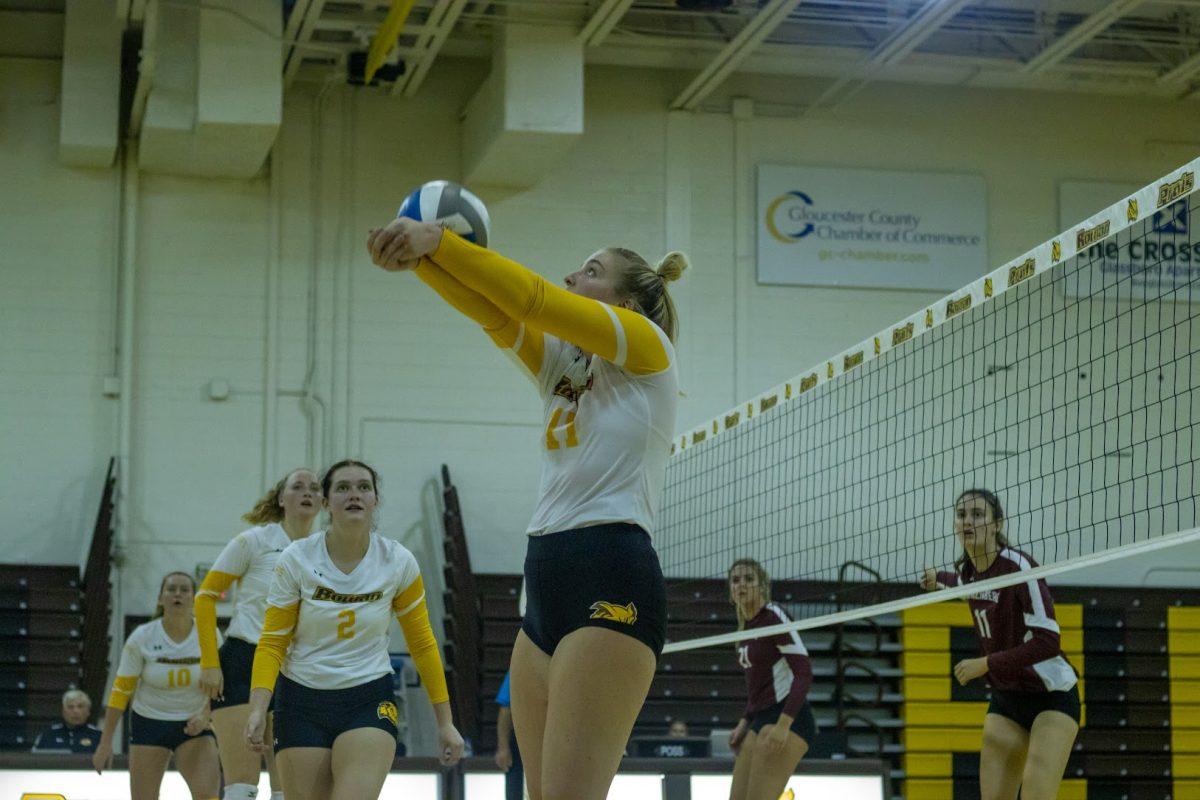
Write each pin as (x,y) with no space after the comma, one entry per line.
(671,266)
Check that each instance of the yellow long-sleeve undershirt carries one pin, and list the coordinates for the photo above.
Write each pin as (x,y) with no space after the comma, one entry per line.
(413,615)
(616,334)
(122,691)
(279,625)
(215,583)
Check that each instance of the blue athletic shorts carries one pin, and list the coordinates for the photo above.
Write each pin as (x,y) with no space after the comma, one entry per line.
(307,717)
(606,576)
(168,733)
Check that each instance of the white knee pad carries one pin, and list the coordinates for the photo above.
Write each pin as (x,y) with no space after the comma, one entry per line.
(240,791)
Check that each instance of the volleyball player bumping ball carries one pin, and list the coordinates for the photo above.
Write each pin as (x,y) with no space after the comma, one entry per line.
(283,515)
(326,629)
(1033,717)
(600,352)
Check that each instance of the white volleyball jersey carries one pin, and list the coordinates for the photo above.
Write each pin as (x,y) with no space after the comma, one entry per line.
(341,635)
(607,437)
(609,419)
(167,672)
(252,556)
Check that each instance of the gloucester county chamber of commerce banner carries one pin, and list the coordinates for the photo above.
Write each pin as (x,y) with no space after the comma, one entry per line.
(822,226)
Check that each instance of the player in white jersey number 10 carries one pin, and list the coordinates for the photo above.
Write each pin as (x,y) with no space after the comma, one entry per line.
(160,665)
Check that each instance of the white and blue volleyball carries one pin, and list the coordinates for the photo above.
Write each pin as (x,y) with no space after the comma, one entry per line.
(449,204)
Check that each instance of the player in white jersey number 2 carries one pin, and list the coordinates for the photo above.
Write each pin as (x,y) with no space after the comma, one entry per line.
(326,630)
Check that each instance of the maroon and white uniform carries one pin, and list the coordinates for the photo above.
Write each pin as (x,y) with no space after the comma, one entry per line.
(777,667)
(1016,627)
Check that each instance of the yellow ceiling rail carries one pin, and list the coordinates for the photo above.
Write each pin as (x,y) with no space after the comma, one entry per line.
(387,36)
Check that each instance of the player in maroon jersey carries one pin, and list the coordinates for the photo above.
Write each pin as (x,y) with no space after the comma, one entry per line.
(1033,717)
(778,725)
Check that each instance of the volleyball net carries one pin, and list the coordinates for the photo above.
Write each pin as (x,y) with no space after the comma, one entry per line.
(1066,381)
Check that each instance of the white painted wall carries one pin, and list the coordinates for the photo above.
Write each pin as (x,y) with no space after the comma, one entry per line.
(397,377)
(57,301)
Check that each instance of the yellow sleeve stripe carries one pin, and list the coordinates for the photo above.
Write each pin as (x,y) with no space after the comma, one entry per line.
(621,353)
(122,691)
(643,343)
(402,611)
(423,647)
(406,600)
(526,345)
(531,348)
(272,645)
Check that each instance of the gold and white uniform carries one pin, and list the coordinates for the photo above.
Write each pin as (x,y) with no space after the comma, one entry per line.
(336,624)
(609,419)
(249,560)
(159,674)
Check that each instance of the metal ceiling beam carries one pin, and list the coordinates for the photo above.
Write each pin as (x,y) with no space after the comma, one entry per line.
(440,31)
(477,9)
(295,19)
(1108,78)
(909,36)
(1078,36)
(600,24)
(1183,72)
(828,62)
(895,48)
(769,17)
(299,29)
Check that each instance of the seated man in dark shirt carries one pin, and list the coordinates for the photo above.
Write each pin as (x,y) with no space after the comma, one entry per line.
(74,734)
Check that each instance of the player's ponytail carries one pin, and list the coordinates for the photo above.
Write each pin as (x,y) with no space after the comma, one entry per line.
(268,509)
(647,286)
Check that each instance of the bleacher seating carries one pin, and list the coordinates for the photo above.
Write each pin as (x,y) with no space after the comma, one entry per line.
(1140,658)
(54,633)
(41,627)
(705,688)
(1137,650)
(883,687)
(463,642)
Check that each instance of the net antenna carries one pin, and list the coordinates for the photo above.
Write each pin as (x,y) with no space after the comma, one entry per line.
(1062,382)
